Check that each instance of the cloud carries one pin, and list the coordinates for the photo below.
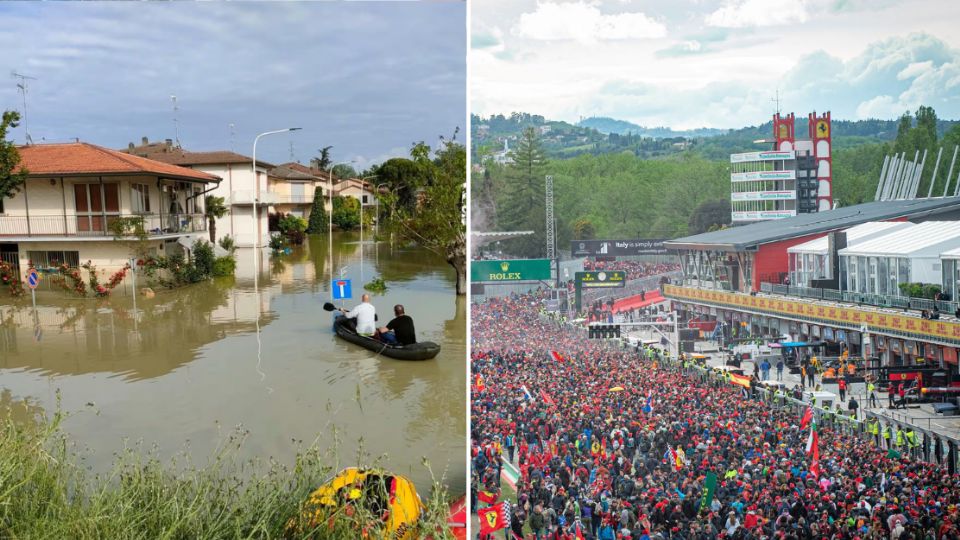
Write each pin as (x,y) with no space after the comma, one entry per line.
(915,69)
(889,77)
(749,13)
(484,41)
(585,23)
(683,48)
(365,79)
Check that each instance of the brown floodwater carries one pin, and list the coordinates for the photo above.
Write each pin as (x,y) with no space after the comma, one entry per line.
(182,370)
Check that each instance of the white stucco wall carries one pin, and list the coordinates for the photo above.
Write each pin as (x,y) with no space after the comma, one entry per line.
(238,184)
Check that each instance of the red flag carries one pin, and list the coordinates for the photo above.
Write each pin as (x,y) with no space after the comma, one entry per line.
(486,496)
(577,532)
(494,518)
(806,418)
(556,356)
(546,397)
(603,448)
(480,385)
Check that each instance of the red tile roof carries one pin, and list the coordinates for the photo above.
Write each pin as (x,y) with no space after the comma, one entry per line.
(168,153)
(90,159)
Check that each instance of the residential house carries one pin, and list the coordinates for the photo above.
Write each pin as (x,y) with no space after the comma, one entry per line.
(240,187)
(76,194)
(356,188)
(293,190)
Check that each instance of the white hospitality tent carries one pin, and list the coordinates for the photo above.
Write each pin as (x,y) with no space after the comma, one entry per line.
(951,273)
(810,260)
(910,255)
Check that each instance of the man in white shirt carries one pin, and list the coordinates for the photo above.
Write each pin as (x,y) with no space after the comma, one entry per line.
(366,316)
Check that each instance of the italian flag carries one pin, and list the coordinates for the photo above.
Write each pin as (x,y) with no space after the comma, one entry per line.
(813,449)
(813,439)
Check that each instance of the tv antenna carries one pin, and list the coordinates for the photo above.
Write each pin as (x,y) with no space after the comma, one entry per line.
(22,87)
(776,100)
(232,134)
(291,151)
(176,125)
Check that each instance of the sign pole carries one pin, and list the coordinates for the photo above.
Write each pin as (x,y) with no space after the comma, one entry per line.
(133,279)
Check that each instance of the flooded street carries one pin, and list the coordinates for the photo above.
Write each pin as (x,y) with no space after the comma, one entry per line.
(185,368)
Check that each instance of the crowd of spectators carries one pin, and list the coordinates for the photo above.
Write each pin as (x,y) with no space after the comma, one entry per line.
(634,269)
(594,430)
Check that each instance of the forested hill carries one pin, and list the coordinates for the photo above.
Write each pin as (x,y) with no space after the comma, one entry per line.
(601,135)
(613,185)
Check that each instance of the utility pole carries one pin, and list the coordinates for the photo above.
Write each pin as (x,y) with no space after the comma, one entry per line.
(22,87)
(176,125)
(551,228)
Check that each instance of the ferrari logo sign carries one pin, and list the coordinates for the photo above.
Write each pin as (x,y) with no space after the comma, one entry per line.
(823,129)
(491,518)
(783,134)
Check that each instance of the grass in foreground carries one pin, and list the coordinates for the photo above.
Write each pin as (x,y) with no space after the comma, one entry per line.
(46,493)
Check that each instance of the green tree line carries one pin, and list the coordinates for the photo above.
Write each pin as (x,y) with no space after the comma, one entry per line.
(619,194)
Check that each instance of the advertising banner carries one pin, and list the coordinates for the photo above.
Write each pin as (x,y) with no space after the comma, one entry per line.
(763,175)
(509,271)
(783,195)
(762,156)
(617,248)
(601,280)
(770,214)
(891,323)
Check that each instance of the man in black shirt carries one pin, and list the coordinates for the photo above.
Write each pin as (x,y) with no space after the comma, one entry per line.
(400,329)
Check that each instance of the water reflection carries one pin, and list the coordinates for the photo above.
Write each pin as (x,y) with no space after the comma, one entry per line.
(183,363)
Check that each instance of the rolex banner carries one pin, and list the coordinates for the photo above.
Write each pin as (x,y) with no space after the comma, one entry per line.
(509,271)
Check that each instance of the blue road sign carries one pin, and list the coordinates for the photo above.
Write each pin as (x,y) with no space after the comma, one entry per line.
(33,278)
(341,289)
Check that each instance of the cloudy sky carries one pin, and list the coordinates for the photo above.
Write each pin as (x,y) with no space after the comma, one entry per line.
(367,78)
(714,63)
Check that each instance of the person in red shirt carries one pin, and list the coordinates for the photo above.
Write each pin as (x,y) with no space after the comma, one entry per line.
(842,384)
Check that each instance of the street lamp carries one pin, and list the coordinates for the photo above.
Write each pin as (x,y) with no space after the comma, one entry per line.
(363,188)
(377,194)
(256,197)
(330,221)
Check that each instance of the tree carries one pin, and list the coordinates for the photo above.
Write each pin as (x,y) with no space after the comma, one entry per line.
(346,212)
(583,229)
(11,180)
(214,208)
(436,221)
(322,161)
(521,206)
(343,170)
(318,214)
(710,215)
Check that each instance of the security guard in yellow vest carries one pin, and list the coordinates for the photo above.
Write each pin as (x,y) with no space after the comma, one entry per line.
(873,428)
(900,441)
(887,432)
(912,441)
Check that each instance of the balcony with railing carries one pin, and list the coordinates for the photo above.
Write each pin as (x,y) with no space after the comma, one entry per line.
(100,225)
(288,198)
(850,297)
(245,197)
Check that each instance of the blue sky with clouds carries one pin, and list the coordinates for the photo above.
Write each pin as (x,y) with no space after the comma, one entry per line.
(714,63)
(367,78)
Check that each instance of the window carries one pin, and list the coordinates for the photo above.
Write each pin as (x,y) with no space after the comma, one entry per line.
(365,199)
(51,259)
(94,202)
(140,198)
(1,205)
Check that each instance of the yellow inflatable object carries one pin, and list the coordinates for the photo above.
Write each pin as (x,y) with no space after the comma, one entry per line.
(393,498)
